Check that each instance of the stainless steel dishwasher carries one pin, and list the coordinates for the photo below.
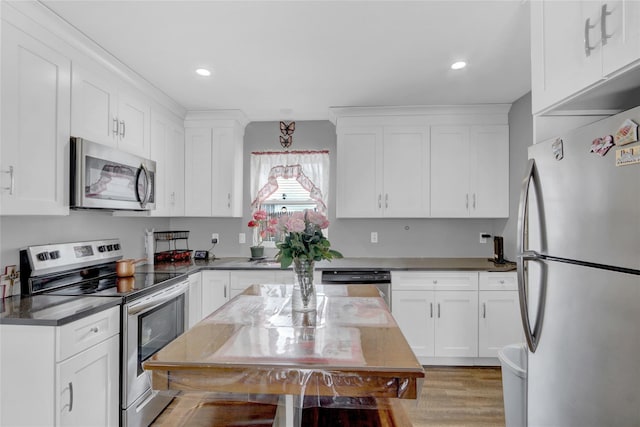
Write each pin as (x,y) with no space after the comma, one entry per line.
(380,278)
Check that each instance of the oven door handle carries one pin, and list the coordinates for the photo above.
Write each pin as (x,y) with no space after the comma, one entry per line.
(157,299)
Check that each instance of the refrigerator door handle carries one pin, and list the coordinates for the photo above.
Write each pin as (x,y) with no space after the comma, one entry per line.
(532,336)
(523,206)
(525,255)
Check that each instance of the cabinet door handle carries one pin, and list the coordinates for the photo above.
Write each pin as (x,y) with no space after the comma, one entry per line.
(94,330)
(70,397)
(438,310)
(122,130)
(225,291)
(228,200)
(435,282)
(379,201)
(431,309)
(116,126)
(466,203)
(587,45)
(12,181)
(603,24)
(484,310)
(474,201)
(386,200)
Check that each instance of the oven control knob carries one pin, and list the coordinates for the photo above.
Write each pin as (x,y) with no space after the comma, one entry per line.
(102,248)
(116,247)
(43,256)
(109,247)
(54,254)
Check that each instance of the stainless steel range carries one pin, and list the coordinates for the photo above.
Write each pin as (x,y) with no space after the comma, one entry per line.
(153,309)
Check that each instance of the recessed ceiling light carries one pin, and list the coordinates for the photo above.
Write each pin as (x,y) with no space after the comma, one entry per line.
(458,65)
(203,72)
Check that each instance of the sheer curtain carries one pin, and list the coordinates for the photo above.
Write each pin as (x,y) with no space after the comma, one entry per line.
(309,168)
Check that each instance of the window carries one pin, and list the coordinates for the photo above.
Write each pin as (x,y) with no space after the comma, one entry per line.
(286,182)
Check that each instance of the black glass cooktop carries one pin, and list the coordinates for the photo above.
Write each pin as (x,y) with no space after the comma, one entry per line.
(112,285)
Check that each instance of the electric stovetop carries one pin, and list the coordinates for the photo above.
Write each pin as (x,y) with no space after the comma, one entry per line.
(114,286)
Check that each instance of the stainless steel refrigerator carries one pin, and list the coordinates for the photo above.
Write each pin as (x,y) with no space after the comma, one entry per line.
(579,278)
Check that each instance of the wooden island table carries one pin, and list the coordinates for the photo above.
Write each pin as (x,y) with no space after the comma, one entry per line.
(254,358)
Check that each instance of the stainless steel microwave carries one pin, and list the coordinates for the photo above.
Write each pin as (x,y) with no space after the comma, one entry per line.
(103,177)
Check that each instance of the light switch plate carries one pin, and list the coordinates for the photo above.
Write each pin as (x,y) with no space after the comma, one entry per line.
(242,238)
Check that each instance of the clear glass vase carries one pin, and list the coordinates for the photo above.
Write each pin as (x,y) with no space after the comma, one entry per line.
(304,291)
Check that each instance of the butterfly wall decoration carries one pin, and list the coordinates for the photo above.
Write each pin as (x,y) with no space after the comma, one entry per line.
(286,139)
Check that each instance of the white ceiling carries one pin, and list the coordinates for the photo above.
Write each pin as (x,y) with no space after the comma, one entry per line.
(295,59)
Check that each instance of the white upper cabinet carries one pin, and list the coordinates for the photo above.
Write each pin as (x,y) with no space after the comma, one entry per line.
(35,126)
(576,45)
(226,169)
(406,171)
(167,149)
(134,117)
(106,113)
(94,108)
(213,165)
(470,171)
(198,172)
(450,167)
(383,171)
(420,162)
(359,161)
(620,32)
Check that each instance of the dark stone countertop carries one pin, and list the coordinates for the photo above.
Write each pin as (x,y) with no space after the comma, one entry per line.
(406,264)
(50,310)
(59,310)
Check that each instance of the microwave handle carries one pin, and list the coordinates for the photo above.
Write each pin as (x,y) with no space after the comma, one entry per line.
(147,190)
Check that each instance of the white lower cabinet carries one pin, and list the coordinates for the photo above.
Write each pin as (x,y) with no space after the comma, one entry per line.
(85,387)
(456,317)
(413,311)
(456,324)
(437,312)
(195,299)
(215,290)
(78,361)
(499,313)
(242,279)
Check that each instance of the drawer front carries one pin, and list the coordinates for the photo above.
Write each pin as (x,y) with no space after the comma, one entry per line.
(435,280)
(241,280)
(506,281)
(84,333)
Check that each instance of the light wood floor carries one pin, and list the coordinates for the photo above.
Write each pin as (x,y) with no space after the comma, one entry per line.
(459,396)
(451,396)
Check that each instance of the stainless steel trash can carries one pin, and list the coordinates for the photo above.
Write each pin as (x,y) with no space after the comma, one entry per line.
(513,360)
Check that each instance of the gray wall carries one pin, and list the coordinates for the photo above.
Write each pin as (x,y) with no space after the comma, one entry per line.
(397,237)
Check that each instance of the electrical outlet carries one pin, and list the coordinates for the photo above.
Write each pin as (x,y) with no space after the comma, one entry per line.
(242,238)
(215,238)
(483,237)
(374,237)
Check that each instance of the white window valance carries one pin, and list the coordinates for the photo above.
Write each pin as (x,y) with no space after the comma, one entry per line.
(309,168)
